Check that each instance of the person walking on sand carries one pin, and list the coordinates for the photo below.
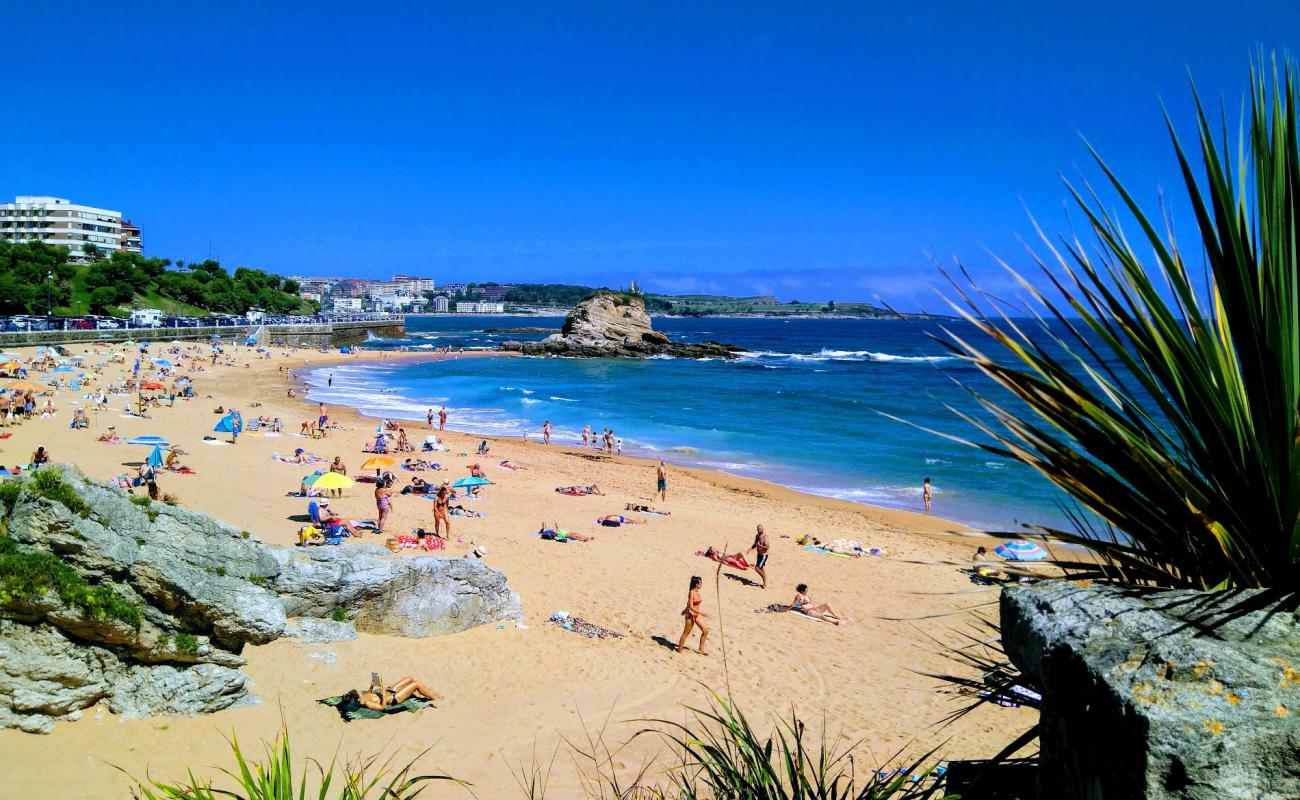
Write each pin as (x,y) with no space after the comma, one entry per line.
(442,418)
(661,476)
(586,435)
(546,432)
(927,493)
(694,617)
(383,503)
(760,547)
(337,466)
(441,511)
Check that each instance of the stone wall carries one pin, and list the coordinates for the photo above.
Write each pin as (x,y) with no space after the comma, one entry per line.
(333,334)
(1160,694)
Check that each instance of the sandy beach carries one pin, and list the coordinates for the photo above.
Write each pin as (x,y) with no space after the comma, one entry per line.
(512,692)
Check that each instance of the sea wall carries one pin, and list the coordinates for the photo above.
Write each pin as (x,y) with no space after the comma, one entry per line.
(1160,694)
(331,334)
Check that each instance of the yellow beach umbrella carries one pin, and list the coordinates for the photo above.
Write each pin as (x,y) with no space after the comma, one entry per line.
(377,463)
(10,365)
(332,480)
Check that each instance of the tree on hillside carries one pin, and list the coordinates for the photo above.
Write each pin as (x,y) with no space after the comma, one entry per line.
(23,270)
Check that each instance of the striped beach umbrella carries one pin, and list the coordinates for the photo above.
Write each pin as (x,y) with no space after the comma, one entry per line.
(1020,550)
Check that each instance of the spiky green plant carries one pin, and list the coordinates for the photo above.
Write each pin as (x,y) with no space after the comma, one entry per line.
(1164,401)
(721,755)
(277,778)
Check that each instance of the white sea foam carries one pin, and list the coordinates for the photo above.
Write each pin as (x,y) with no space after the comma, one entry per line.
(826,354)
(563,399)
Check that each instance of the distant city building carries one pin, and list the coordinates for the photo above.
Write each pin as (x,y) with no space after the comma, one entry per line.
(347,304)
(315,296)
(394,302)
(130,239)
(440,304)
(414,284)
(454,288)
(493,294)
(62,223)
(352,287)
(480,308)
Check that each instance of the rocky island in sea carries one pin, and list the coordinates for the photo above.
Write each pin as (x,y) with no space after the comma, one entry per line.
(615,324)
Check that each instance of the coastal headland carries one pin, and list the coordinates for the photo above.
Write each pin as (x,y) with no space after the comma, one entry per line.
(512,692)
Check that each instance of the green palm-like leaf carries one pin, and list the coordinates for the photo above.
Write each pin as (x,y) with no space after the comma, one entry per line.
(1176,421)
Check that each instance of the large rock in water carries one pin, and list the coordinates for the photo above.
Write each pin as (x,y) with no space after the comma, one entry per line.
(609,324)
(1160,694)
(203,590)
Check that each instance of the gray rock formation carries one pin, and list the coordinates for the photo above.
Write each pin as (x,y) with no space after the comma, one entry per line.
(203,590)
(609,324)
(1160,694)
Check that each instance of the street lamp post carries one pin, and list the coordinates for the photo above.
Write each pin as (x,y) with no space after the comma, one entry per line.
(49,307)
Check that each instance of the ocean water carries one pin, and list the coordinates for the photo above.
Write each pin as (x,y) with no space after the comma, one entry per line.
(804,407)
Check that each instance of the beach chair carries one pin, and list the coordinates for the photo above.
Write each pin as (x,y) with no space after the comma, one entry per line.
(327,530)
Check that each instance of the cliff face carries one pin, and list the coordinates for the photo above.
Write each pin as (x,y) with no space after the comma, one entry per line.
(615,325)
(145,607)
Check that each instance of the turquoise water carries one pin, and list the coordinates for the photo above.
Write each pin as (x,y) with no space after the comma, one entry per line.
(803,407)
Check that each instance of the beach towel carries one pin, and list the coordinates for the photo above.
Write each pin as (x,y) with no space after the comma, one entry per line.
(182,470)
(735,560)
(353,710)
(825,552)
(574,493)
(779,608)
(585,627)
(216,442)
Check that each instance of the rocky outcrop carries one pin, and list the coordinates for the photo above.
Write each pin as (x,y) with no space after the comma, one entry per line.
(1160,694)
(609,324)
(187,594)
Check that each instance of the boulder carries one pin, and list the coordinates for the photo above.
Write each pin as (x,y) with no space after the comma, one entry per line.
(610,324)
(1160,694)
(203,590)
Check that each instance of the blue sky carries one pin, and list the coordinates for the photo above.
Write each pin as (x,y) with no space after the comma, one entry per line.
(814,150)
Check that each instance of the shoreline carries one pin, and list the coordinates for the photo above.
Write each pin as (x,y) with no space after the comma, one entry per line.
(927,523)
(863,679)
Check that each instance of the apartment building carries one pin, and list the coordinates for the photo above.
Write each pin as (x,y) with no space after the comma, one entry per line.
(440,304)
(414,284)
(480,308)
(59,222)
(130,239)
(491,294)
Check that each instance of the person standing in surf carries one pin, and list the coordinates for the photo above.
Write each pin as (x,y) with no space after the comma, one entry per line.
(442,418)
(927,493)
(429,418)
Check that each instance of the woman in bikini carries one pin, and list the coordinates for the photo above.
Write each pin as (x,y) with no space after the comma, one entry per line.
(379,698)
(694,617)
(383,503)
(804,605)
(442,511)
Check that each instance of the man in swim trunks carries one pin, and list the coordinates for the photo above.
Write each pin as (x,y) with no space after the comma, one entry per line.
(661,474)
(760,547)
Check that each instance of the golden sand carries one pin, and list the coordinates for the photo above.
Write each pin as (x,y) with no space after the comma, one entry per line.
(512,692)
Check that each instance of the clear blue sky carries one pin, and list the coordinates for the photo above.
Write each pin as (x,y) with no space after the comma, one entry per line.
(813,150)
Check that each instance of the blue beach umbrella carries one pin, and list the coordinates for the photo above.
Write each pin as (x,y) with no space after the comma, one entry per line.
(471,481)
(162,362)
(147,440)
(1020,550)
(228,424)
(155,458)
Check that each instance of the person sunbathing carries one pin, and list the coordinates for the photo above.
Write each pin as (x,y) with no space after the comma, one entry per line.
(644,509)
(615,520)
(109,438)
(418,486)
(328,520)
(508,464)
(561,535)
(804,605)
(461,511)
(378,698)
(593,489)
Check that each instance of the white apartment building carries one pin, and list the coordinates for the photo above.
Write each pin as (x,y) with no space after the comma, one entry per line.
(480,308)
(61,223)
(347,304)
(414,284)
(440,304)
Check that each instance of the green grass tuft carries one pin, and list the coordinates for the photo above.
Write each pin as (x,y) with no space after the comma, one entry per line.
(339,615)
(187,643)
(146,504)
(29,575)
(48,484)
